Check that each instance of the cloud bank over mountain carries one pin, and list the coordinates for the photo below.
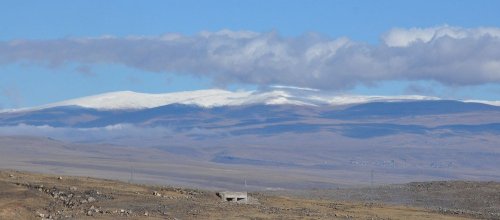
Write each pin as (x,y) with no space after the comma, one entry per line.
(450,55)
(87,134)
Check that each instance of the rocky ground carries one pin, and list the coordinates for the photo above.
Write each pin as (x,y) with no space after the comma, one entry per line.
(475,199)
(36,196)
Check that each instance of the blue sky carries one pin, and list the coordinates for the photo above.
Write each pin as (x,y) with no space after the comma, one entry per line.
(33,80)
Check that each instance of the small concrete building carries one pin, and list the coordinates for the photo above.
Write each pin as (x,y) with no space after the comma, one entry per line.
(240,197)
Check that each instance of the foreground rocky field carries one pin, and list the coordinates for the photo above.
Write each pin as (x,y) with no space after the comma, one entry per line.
(35,196)
(475,199)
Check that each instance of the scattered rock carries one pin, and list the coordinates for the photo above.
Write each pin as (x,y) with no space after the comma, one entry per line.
(39,188)
(91,199)
(155,193)
(73,188)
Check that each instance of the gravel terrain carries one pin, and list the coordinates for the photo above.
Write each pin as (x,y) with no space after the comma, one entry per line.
(26,195)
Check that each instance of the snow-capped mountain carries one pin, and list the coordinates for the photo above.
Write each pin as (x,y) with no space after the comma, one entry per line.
(217,98)
(281,127)
(278,95)
(196,109)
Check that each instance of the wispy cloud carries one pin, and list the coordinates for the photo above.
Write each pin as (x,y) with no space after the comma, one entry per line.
(86,134)
(116,133)
(449,55)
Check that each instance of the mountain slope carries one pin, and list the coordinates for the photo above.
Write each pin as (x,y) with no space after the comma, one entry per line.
(406,138)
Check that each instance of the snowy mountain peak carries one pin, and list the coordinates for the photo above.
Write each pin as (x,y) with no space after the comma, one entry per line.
(217,97)
(135,100)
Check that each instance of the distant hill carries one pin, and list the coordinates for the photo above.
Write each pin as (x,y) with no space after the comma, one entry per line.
(334,138)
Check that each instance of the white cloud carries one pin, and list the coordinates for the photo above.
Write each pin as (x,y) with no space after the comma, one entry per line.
(449,55)
(399,37)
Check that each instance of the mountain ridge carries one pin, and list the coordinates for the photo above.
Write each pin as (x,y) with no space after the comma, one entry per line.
(211,98)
